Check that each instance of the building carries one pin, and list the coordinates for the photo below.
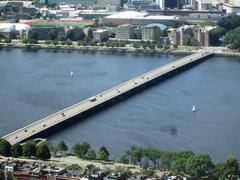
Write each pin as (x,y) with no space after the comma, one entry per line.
(43,31)
(166,4)
(230,8)
(125,32)
(201,34)
(14,30)
(152,31)
(100,34)
(203,5)
(79,2)
(138,19)
(105,3)
(13,10)
(161,3)
(88,32)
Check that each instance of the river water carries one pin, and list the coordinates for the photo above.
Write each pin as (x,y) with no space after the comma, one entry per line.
(37,84)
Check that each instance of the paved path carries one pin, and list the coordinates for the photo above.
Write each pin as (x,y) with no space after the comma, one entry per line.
(65,114)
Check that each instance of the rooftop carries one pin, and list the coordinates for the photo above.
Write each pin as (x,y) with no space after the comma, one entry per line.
(8,27)
(128,14)
(161,26)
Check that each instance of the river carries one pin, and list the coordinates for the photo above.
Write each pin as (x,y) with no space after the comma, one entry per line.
(37,84)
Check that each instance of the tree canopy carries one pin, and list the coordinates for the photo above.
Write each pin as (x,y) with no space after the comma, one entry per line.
(62,147)
(199,165)
(228,168)
(103,153)
(16,150)
(75,34)
(29,148)
(229,22)
(216,34)
(81,149)
(232,38)
(5,147)
(43,151)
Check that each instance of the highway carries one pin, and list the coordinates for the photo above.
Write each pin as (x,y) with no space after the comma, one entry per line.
(65,114)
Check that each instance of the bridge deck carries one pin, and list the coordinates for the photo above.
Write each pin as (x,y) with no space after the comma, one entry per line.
(58,117)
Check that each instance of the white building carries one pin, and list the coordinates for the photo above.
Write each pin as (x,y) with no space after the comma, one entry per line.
(18,29)
(161,3)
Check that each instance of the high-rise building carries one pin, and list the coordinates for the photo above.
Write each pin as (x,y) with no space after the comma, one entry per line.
(161,3)
(171,4)
(151,32)
(125,32)
(104,3)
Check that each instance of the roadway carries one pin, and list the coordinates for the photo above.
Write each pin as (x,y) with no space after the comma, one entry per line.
(65,114)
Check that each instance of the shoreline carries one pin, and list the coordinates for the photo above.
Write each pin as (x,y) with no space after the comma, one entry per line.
(228,53)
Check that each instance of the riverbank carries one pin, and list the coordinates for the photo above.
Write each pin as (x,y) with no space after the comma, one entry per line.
(182,50)
(70,160)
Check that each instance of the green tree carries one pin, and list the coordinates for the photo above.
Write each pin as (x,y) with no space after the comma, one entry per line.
(32,41)
(103,153)
(5,147)
(61,36)
(216,34)
(25,41)
(69,43)
(199,166)
(190,41)
(8,41)
(228,169)
(135,154)
(16,150)
(112,34)
(75,34)
(29,148)
(48,42)
(207,23)
(229,22)
(233,38)
(91,154)
(33,35)
(62,147)
(80,150)
(55,42)
(43,151)
(124,159)
(53,34)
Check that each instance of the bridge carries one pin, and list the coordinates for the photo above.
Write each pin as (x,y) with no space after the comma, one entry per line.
(64,115)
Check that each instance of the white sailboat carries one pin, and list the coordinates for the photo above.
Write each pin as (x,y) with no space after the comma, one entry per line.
(193,108)
(71,74)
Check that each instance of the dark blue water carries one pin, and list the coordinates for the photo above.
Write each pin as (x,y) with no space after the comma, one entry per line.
(36,84)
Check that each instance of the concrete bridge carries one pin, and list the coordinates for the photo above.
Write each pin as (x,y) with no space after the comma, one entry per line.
(64,115)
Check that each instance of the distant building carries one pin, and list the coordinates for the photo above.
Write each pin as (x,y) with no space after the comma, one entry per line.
(109,4)
(138,19)
(13,10)
(14,30)
(43,31)
(201,34)
(169,4)
(152,31)
(88,32)
(230,8)
(100,34)
(125,32)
